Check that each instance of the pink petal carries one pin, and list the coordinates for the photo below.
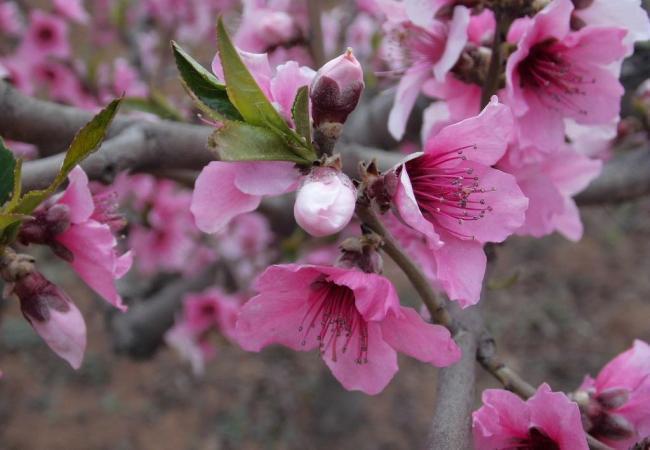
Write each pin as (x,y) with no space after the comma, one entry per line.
(460,268)
(266,178)
(95,259)
(545,203)
(369,377)
(275,315)
(623,13)
(502,417)
(559,417)
(374,295)
(64,332)
(410,212)
(408,333)
(489,132)
(77,196)
(407,93)
(568,222)
(216,200)
(288,79)
(503,195)
(456,40)
(596,45)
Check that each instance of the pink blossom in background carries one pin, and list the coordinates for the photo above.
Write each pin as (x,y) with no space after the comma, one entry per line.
(550,184)
(353,318)
(547,420)
(165,238)
(203,313)
(91,243)
(53,316)
(22,149)
(122,79)
(10,21)
(46,35)
(422,48)
(72,9)
(617,404)
(452,196)
(556,73)
(280,85)
(273,27)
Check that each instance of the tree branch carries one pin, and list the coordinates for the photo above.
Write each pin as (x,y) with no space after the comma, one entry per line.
(173,145)
(316,42)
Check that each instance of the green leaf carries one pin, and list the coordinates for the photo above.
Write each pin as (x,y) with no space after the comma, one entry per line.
(86,141)
(239,141)
(242,88)
(204,86)
(300,114)
(7,167)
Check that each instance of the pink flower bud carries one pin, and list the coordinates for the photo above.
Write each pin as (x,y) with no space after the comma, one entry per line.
(325,202)
(52,314)
(336,89)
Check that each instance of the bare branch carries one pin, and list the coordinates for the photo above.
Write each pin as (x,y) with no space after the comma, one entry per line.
(316,42)
(625,177)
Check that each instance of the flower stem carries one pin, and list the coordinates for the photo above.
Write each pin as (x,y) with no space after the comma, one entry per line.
(434,303)
(491,85)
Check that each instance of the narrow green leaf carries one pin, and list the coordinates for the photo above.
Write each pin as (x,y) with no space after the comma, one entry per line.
(7,167)
(242,88)
(15,197)
(239,141)
(203,86)
(300,114)
(86,141)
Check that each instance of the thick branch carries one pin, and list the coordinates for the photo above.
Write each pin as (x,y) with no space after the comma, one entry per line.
(624,177)
(140,331)
(172,145)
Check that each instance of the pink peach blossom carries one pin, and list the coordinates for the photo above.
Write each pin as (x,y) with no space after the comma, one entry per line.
(91,243)
(353,318)
(556,73)
(452,196)
(547,420)
(617,403)
(550,183)
(422,48)
(203,313)
(53,316)
(46,35)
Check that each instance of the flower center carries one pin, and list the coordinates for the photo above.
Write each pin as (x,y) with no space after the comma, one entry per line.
(536,440)
(555,80)
(445,189)
(332,308)
(409,44)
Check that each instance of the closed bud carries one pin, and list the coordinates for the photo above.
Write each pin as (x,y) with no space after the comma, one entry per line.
(336,89)
(53,316)
(325,202)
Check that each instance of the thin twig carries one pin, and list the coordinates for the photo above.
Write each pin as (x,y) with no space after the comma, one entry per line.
(316,42)
(492,82)
(434,303)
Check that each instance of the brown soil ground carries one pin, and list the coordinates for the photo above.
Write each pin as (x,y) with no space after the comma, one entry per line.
(572,307)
